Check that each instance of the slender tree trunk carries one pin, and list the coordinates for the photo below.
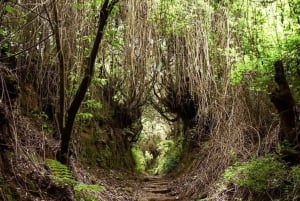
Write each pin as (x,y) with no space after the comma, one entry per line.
(85,83)
(61,115)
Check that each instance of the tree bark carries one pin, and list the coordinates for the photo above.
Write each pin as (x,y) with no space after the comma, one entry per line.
(55,27)
(85,83)
(285,104)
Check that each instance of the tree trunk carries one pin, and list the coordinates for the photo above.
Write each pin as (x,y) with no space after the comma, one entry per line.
(55,27)
(285,105)
(284,102)
(85,83)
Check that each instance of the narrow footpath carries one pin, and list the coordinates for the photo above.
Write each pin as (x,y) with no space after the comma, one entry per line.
(156,188)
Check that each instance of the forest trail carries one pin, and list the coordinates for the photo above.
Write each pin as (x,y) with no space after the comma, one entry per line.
(156,188)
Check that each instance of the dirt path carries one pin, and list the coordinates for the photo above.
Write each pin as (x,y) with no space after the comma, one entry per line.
(156,189)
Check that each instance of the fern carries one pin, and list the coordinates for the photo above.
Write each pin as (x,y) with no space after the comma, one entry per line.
(88,188)
(85,191)
(60,173)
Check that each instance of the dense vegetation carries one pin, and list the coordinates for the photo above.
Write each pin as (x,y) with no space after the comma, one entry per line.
(206,92)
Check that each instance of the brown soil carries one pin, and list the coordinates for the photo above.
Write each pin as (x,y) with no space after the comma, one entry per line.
(156,188)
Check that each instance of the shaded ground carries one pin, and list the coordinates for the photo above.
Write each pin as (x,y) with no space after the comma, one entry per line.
(156,188)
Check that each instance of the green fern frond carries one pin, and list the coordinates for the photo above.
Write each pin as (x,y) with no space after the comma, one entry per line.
(60,172)
(88,187)
(86,191)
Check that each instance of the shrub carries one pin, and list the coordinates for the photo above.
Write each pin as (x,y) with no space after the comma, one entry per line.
(258,175)
(170,163)
(139,159)
(169,156)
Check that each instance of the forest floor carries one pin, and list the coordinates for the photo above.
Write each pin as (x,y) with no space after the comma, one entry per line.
(31,176)
(156,188)
(127,186)
(121,186)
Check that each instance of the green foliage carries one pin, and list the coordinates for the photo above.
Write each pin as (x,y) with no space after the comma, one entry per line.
(46,127)
(119,98)
(169,156)
(259,175)
(83,191)
(39,115)
(89,106)
(92,104)
(176,16)
(61,174)
(291,189)
(170,163)
(42,116)
(139,159)
(8,8)
(85,115)
(266,33)
(2,32)
(99,81)
(87,187)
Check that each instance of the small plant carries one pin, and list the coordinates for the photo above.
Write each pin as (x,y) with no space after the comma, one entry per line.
(62,175)
(83,191)
(85,115)
(259,174)
(60,172)
(39,115)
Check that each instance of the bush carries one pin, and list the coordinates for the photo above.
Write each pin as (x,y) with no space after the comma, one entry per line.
(258,175)
(139,159)
(170,163)
(169,156)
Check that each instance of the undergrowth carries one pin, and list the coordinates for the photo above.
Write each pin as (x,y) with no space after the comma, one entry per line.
(139,159)
(259,175)
(169,156)
(167,160)
(264,176)
(61,174)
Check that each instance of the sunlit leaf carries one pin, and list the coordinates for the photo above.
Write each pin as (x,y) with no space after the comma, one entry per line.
(9,8)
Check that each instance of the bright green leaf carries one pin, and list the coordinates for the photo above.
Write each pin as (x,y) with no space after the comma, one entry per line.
(9,8)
